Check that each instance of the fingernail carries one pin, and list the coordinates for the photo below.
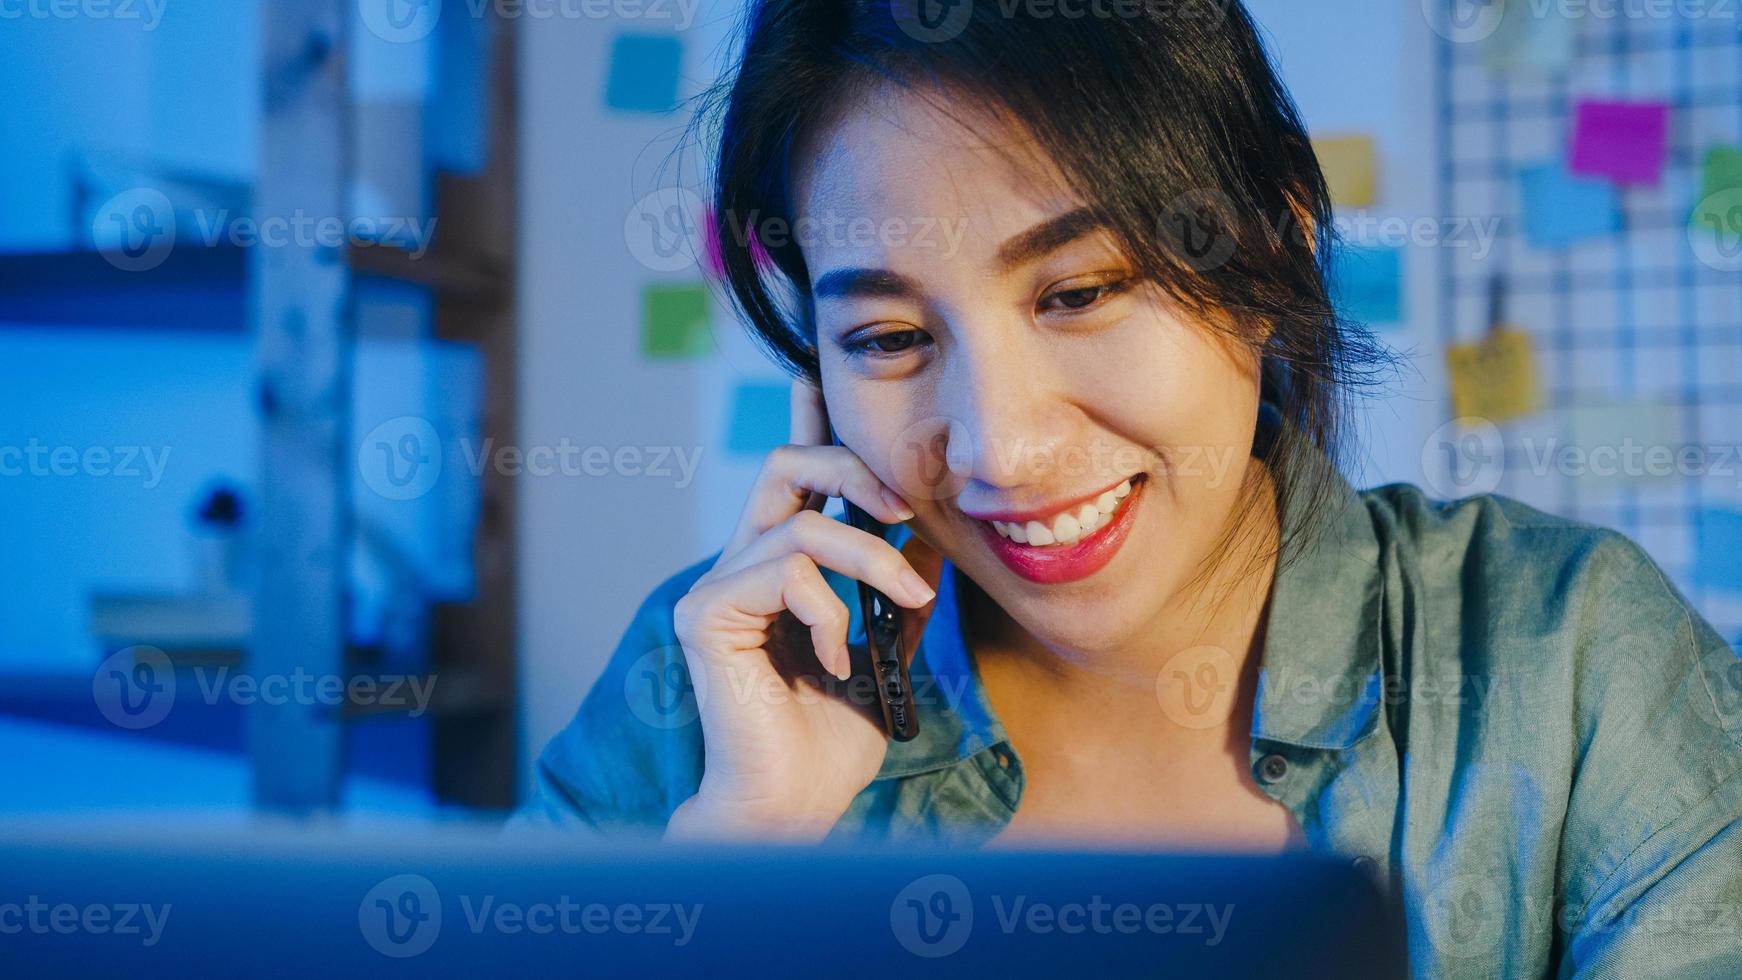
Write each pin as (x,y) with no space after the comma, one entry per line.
(898,505)
(843,663)
(916,587)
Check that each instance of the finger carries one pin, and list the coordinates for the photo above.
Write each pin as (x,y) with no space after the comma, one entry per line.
(790,583)
(791,474)
(810,426)
(925,560)
(841,548)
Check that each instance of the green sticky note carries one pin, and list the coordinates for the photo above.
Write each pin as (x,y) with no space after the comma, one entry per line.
(1722,175)
(674,321)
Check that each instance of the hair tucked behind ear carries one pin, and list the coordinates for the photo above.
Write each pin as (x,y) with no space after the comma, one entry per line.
(1172,127)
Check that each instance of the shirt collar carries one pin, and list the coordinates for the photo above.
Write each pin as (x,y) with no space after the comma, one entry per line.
(1323,631)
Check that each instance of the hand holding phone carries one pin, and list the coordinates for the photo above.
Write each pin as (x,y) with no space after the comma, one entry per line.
(790,736)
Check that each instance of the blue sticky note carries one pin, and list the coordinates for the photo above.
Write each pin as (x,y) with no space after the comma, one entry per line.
(761,418)
(1561,207)
(1367,283)
(644,73)
(1718,540)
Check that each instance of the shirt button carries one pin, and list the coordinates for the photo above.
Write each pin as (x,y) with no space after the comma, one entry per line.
(1003,758)
(1364,863)
(1272,768)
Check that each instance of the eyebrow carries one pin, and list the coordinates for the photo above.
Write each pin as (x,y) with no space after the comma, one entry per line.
(1048,236)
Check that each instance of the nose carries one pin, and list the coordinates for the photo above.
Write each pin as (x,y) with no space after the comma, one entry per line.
(1011,417)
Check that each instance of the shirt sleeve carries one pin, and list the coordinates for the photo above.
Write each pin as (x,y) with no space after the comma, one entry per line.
(633,751)
(1659,819)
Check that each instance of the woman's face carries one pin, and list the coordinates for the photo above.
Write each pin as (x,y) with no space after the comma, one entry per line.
(992,358)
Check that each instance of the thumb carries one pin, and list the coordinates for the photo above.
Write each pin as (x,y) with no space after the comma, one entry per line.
(930,566)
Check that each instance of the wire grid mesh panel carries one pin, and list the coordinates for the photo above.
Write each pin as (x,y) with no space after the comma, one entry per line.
(1629,289)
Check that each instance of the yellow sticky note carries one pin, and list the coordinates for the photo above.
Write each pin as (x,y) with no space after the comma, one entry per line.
(1494,378)
(1351,166)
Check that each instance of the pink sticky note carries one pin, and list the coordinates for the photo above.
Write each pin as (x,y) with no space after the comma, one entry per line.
(1623,141)
(717,265)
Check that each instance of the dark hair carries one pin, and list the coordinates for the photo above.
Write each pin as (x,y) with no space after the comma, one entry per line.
(1166,118)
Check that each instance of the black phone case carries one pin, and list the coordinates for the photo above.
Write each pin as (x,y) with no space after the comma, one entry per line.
(882,620)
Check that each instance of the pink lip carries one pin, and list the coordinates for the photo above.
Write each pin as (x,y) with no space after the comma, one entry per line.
(1052,565)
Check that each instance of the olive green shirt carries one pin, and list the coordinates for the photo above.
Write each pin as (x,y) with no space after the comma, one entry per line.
(1512,720)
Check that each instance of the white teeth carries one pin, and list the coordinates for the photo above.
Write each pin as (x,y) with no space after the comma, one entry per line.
(1039,534)
(1072,525)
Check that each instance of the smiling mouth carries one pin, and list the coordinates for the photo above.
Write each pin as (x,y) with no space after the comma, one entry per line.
(1071,524)
(1070,544)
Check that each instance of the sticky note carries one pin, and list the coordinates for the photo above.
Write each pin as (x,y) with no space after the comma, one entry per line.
(1621,141)
(1351,166)
(1495,377)
(1718,539)
(1721,173)
(644,73)
(1561,207)
(1367,283)
(1528,39)
(761,418)
(674,321)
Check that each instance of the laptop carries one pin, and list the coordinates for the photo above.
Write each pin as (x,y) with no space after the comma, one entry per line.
(278,901)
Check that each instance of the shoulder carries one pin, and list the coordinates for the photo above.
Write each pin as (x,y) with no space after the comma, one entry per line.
(1599,678)
(633,750)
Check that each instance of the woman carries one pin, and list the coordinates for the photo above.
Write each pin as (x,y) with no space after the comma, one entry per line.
(1099,402)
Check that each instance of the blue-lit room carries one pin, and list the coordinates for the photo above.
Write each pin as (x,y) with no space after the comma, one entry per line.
(1183,487)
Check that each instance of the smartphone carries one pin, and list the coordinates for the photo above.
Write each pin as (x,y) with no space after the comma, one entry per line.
(882,620)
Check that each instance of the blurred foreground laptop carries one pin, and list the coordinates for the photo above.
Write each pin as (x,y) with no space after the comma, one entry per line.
(92,902)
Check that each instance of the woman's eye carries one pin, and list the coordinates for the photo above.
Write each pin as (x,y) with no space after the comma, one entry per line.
(888,343)
(1083,297)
